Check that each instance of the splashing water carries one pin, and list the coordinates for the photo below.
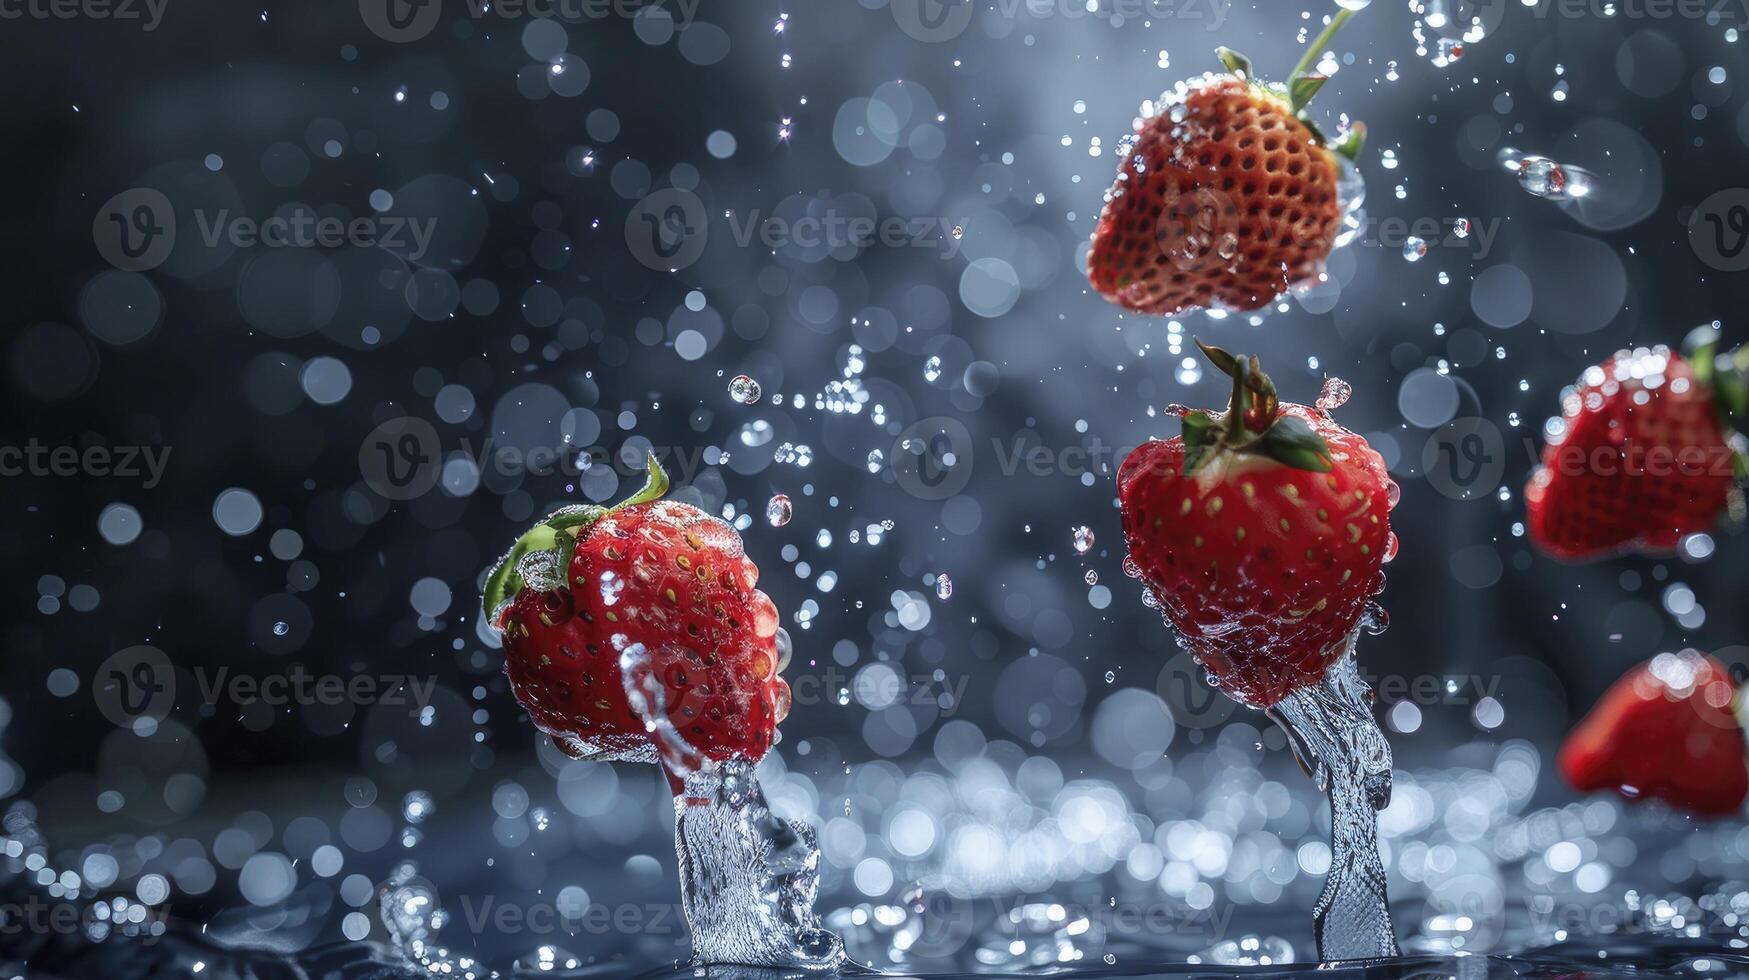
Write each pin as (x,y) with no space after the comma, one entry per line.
(748,879)
(1335,394)
(1331,729)
(1351,195)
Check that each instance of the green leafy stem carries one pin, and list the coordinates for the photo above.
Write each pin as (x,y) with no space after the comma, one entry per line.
(1254,422)
(559,533)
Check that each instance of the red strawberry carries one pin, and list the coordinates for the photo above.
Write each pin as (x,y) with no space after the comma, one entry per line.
(1668,729)
(1260,532)
(663,575)
(1227,198)
(1639,458)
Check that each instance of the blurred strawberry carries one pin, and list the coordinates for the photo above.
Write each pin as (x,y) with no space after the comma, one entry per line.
(1667,729)
(1226,199)
(591,583)
(1640,457)
(1261,533)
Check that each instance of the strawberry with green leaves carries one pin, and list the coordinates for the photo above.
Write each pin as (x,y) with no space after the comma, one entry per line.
(663,580)
(1228,195)
(1260,532)
(1643,453)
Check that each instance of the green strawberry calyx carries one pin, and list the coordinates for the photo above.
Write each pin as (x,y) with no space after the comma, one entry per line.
(1253,423)
(557,536)
(1304,84)
(1727,375)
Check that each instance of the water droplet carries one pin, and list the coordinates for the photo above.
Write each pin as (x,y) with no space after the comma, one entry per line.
(1390,547)
(1083,537)
(744,389)
(943,587)
(1335,394)
(1542,177)
(1414,249)
(1460,228)
(612,586)
(875,459)
(778,510)
(932,369)
(1111,677)
(1091,578)
(1376,620)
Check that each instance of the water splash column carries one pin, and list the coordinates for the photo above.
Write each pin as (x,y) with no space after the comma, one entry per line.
(1337,741)
(748,878)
